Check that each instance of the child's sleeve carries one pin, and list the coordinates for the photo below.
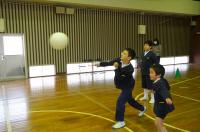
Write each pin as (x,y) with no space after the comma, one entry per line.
(164,92)
(109,63)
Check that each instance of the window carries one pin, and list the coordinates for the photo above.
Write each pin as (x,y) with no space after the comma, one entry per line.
(181,59)
(13,45)
(45,70)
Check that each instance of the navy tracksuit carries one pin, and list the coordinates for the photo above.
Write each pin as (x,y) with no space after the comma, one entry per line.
(123,80)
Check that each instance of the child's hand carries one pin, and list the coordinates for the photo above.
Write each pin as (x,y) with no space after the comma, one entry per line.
(116,64)
(168,101)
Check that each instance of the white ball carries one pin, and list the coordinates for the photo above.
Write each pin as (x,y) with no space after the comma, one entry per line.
(59,40)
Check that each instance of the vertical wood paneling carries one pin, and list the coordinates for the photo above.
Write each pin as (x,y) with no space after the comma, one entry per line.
(93,33)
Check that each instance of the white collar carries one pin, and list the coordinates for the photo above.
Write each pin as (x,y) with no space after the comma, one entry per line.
(156,80)
(123,65)
(145,52)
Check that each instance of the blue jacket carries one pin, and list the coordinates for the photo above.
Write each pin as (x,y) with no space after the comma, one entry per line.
(161,90)
(147,61)
(123,76)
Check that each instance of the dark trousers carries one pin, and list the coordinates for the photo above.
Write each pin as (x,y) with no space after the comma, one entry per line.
(126,96)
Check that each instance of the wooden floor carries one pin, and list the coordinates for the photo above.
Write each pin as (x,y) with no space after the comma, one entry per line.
(86,103)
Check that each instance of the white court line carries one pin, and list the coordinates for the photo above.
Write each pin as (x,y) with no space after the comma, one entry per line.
(188,98)
(172,116)
(185,80)
(77,112)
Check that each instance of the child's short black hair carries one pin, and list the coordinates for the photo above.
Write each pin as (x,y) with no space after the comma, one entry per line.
(131,53)
(149,42)
(159,69)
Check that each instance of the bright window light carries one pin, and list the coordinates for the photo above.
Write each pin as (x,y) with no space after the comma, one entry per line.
(35,71)
(95,68)
(169,69)
(108,68)
(181,59)
(73,68)
(46,70)
(13,45)
(85,67)
(167,60)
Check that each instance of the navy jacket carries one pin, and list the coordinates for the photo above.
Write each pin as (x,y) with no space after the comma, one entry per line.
(161,90)
(123,76)
(147,61)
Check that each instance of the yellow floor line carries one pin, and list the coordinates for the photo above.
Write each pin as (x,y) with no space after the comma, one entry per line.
(77,112)
(102,105)
(148,116)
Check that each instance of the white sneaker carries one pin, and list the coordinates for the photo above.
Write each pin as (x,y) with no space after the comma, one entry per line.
(152,101)
(141,113)
(119,124)
(143,98)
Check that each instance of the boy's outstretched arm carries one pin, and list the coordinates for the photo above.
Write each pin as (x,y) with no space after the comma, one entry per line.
(109,63)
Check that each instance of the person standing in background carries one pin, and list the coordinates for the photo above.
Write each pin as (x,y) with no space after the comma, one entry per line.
(148,59)
(156,48)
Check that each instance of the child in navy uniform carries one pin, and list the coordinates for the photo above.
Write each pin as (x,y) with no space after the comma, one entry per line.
(163,101)
(124,80)
(148,59)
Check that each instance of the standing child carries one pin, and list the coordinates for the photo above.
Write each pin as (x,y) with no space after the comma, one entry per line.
(157,49)
(163,101)
(124,80)
(148,59)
